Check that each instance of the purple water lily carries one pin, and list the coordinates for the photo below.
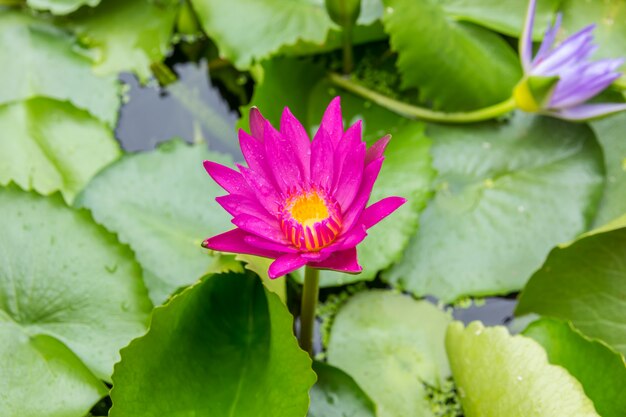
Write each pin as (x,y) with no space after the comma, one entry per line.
(301,202)
(561,78)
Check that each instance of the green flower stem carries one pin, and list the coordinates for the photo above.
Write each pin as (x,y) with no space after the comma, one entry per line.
(409,110)
(348,60)
(307,311)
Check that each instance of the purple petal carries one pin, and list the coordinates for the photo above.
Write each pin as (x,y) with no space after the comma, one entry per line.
(548,39)
(332,122)
(281,159)
(229,179)
(573,49)
(234,241)
(322,162)
(588,88)
(381,209)
(257,124)
(526,40)
(292,130)
(264,192)
(259,242)
(353,213)
(377,149)
(588,111)
(256,226)
(344,261)
(236,204)
(285,264)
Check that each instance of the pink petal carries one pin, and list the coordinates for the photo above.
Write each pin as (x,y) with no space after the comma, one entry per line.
(315,256)
(351,175)
(285,264)
(229,179)
(234,241)
(344,261)
(332,122)
(381,209)
(292,130)
(258,227)
(259,242)
(264,192)
(353,213)
(257,124)
(351,139)
(254,153)
(322,160)
(377,150)
(282,160)
(347,240)
(236,204)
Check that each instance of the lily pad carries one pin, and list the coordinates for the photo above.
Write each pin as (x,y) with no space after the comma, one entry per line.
(600,370)
(391,345)
(48,145)
(502,375)
(164,211)
(61,6)
(466,68)
(39,59)
(610,134)
(335,394)
(506,194)
(65,278)
(223,347)
(126,35)
(584,283)
(269,25)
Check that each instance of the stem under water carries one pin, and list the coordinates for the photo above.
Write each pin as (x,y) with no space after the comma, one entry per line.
(310,294)
(422,113)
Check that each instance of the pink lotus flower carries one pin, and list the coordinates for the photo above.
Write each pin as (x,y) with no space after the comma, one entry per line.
(301,202)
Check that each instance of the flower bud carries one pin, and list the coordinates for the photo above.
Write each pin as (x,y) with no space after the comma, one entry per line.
(343,12)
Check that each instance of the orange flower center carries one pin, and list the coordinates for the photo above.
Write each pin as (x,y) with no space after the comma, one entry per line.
(310,219)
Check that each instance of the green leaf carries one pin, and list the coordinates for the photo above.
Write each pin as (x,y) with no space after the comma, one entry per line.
(260,266)
(502,16)
(164,210)
(467,67)
(223,347)
(502,375)
(52,146)
(391,345)
(406,172)
(63,276)
(126,35)
(609,16)
(584,283)
(335,394)
(39,59)
(610,134)
(42,377)
(506,194)
(251,30)
(61,7)
(601,371)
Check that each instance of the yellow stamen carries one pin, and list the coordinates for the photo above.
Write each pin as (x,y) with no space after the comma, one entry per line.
(308,209)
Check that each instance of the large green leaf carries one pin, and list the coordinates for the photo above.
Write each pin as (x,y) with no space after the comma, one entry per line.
(609,16)
(127,35)
(250,30)
(42,377)
(584,283)
(506,194)
(601,371)
(223,347)
(335,394)
(391,345)
(502,16)
(61,6)
(406,172)
(502,375)
(164,210)
(63,276)
(455,65)
(610,134)
(48,145)
(41,60)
